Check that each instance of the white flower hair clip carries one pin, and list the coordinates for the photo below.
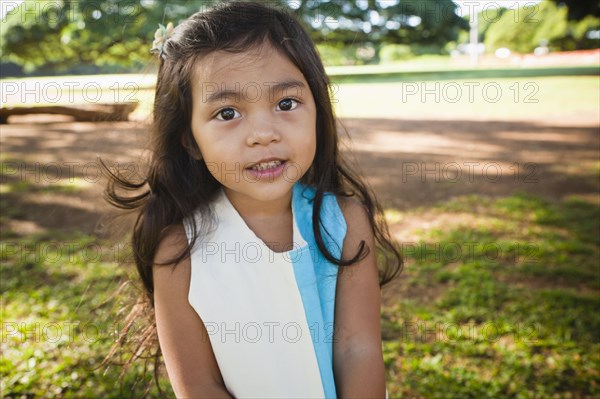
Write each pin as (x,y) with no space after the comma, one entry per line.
(162,34)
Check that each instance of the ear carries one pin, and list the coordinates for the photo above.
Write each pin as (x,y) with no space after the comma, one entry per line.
(191,146)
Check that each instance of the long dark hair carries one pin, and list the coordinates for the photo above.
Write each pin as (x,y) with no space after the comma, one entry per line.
(177,184)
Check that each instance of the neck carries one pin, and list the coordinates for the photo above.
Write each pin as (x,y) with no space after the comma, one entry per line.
(252,208)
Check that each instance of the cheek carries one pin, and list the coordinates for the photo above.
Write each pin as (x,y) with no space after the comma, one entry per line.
(309,147)
(309,152)
(206,143)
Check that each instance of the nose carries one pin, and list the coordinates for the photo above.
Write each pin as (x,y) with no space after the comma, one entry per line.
(262,130)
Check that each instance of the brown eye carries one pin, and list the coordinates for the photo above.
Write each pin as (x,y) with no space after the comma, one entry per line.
(227,114)
(287,104)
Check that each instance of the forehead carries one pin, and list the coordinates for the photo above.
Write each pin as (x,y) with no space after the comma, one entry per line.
(261,64)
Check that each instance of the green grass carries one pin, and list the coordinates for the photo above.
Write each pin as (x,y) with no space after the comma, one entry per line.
(458,98)
(59,318)
(498,99)
(68,186)
(516,311)
(515,314)
(394,91)
(513,310)
(61,298)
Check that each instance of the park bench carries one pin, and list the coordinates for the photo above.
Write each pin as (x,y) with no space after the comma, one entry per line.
(81,112)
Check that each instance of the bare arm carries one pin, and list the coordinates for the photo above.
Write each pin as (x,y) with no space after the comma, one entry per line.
(357,354)
(186,348)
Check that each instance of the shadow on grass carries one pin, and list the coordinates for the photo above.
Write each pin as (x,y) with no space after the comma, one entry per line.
(413,163)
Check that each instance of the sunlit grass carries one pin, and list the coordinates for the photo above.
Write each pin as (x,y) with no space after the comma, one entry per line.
(14,180)
(393,216)
(516,308)
(469,98)
(67,186)
(403,92)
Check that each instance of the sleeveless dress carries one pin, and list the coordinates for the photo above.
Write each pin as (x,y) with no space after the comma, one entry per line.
(269,315)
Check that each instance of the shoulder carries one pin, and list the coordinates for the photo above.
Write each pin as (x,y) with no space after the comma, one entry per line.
(354,211)
(166,273)
(358,226)
(190,361)
(174,240)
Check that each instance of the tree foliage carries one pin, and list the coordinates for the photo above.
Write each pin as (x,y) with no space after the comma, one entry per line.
(398,22)
(60,34)
(546,23)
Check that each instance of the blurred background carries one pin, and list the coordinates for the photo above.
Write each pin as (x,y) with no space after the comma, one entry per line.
(477,124)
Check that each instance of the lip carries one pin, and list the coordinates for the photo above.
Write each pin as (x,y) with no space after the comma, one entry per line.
(267,174)
(266,160)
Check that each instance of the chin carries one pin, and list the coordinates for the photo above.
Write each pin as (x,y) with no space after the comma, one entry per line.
(266,191)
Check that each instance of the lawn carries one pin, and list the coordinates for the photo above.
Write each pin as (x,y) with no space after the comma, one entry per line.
(513,298)
(429,91)
(499,297)
(503,98)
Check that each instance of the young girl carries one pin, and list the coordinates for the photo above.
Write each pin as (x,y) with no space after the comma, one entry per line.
(256,243)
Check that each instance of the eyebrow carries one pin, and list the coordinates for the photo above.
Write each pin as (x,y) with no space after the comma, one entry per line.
(272,87)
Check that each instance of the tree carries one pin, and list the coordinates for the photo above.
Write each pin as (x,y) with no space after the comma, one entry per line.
(60,34)
(386,21)
(583,18)
(524,29)
(528,27)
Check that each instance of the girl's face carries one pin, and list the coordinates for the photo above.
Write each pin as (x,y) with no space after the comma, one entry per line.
(250,107)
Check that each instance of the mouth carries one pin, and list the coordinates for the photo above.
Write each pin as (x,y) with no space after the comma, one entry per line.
(266,170)
(266,165)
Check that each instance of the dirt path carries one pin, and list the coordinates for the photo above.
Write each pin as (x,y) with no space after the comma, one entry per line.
(409,164)
(414,163)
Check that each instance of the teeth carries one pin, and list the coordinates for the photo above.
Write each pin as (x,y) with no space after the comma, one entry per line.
(266,165)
